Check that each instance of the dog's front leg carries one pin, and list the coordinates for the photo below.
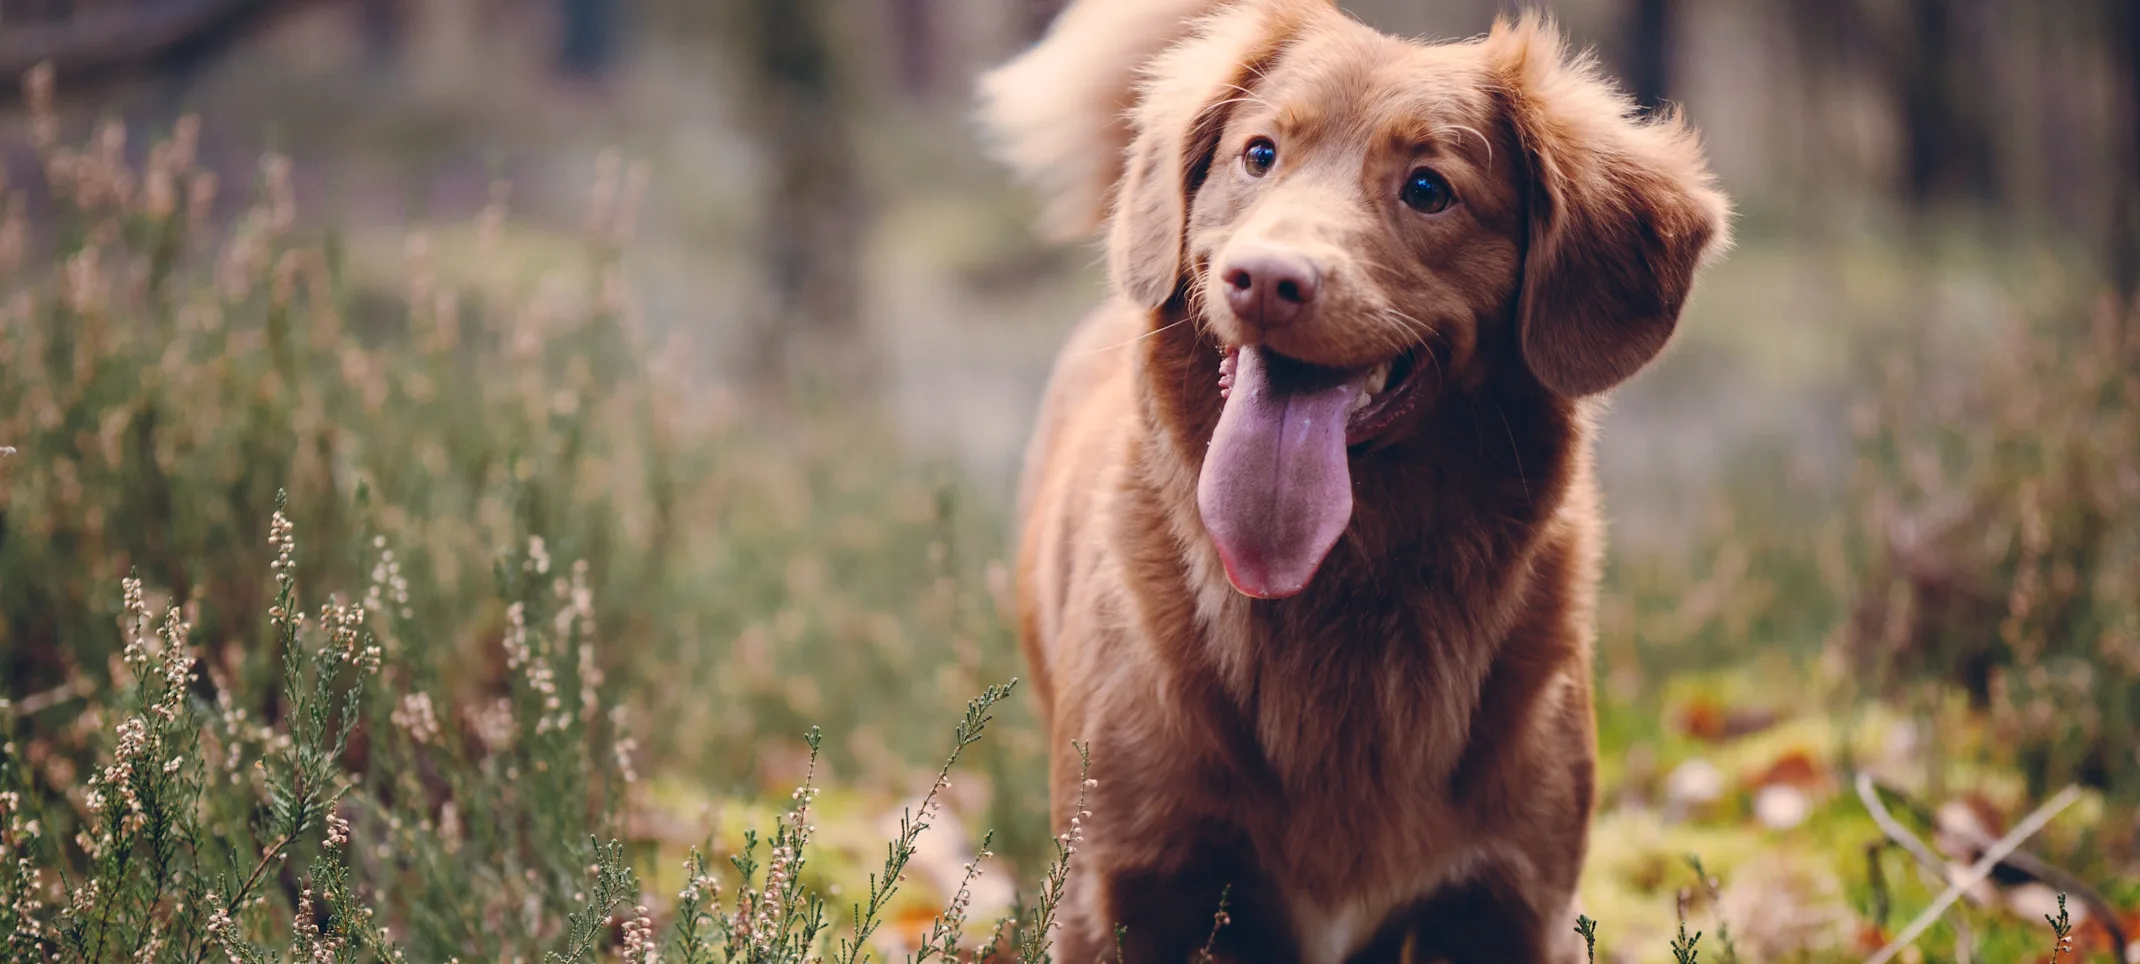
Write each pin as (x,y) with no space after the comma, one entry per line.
(1168,913)
(1489,920)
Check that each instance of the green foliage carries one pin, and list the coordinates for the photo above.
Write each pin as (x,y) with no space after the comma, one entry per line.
(424,406)
(158,846)
(1713,890)
(1683,946)
(2062,929)
(613,884)
(901,850)
(172,847)
(1037,924)
(2005,514)
(419,757)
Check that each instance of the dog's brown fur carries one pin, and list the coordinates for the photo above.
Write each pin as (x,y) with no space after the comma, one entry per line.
(1398,761)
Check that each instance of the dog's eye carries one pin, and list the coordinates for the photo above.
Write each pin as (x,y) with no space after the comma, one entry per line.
(1259,156)
(1426,192)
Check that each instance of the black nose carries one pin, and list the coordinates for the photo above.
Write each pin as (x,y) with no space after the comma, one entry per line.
(1270,290)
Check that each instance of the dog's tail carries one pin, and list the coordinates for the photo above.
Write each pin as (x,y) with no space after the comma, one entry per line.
(1058,113)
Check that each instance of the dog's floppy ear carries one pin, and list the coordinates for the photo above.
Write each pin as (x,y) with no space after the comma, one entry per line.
(1188,95)
(1622,212)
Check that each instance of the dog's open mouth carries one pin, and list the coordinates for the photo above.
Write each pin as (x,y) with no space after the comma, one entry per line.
(1276,487)
(1388,390)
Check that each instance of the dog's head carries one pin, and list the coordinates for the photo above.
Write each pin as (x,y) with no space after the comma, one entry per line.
(1361,223)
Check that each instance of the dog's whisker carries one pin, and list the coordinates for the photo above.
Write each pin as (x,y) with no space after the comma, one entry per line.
(1421,337)
(1247,96)
(1126,344)
(1514,450)
(1241,100)
(1473,131)
(1425,329)
(1419,331)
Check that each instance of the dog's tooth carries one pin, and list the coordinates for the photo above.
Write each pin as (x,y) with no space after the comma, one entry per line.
(1377,379)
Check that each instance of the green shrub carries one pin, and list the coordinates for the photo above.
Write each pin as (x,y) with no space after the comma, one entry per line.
(185,835)
(2003,503)
(173,383)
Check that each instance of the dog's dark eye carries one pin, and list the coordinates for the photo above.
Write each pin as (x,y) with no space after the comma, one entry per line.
(1259,156)
(1426,192)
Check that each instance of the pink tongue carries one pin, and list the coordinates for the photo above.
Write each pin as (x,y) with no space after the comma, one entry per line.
(1275,492)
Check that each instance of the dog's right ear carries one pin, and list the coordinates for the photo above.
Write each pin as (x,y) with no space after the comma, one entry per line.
(1624,212)
(1189,92)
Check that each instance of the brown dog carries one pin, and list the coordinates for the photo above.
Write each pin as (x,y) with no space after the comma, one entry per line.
(1310,539)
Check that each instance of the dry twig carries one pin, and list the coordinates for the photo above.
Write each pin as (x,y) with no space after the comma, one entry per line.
(1976,872)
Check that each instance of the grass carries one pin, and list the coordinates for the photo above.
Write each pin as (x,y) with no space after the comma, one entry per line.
(363,603)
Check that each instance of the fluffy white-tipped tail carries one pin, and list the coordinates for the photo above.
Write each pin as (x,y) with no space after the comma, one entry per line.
(1058,113)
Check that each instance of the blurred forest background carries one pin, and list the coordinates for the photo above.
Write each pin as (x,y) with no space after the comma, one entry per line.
(722,298)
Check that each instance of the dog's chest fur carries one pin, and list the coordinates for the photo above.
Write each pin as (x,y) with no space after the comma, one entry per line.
(1359,746)
(1352,720)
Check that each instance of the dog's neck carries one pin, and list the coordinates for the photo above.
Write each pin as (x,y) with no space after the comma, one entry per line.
(1404,625)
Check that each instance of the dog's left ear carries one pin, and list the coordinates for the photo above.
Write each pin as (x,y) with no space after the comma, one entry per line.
(1182,109)
(1622,213)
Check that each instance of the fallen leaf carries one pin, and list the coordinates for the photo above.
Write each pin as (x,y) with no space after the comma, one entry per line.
(1702,719)
(1705,719)
(1796,768)
(1870,938)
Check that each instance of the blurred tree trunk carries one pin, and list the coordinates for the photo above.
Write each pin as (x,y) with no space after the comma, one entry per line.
(587,36)
(814,211)
(1945,91)
(2125,193)
(1827,43)
(915,45)
(1651,33)
(385,31)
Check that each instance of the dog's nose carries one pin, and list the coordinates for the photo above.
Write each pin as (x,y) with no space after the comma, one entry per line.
(1270,290)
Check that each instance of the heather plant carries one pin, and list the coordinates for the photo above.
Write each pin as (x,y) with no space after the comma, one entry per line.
(429,764)
(1712,891)
(182,344)
(2005,510)
(176,841)
(187,832)
(2061,931)
(1683,951)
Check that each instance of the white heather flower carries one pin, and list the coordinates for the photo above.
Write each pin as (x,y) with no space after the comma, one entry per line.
(137,636)
(590,682)
(283,539)
(449,827)
(516,635)
(496,726)
(640,946)
(415,716)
